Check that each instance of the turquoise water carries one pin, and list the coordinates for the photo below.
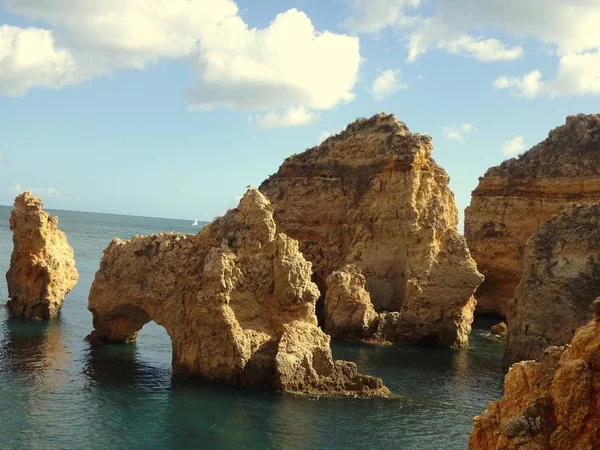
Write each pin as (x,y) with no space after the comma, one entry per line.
(57,392)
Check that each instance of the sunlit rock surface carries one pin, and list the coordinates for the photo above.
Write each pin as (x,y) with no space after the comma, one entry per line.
(374,198)
(236,299)
(553,403)
(513,199)
(42,266)
(561,279)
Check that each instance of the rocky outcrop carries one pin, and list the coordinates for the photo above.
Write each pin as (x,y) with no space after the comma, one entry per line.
(515,198)
(236,300)
(373,197)
(42,266)
(553,403)
(500,329)
(349,311)
(561,280)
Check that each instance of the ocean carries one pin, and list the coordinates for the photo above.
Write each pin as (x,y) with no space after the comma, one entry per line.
(56,392)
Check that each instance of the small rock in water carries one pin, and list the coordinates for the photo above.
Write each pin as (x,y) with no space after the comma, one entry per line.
(499,329)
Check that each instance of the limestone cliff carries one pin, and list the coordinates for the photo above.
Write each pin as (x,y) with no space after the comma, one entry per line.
(561,280)
(236,300)
(515,198)
(42,266)
(553,403)
(373,197)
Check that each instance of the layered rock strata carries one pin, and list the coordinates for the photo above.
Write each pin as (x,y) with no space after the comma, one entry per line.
(236,300)
(561,279)
(553,403)
(42,266)
(512,200)
(373,197)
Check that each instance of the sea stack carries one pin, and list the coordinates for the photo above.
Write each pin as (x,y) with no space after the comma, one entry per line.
(551,403)
(513,199)
(42,266)
(236,299)
(561,279)
(372,203)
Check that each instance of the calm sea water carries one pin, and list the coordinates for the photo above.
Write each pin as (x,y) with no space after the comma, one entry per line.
(57,392)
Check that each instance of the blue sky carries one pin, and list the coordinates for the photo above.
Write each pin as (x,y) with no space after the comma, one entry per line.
(170,108)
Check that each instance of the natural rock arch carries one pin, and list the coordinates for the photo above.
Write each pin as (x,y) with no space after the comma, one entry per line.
(236,300)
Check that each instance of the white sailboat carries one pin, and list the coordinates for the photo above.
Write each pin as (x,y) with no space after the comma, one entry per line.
(195,224)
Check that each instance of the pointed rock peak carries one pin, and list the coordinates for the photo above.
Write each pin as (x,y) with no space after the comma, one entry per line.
(253,199)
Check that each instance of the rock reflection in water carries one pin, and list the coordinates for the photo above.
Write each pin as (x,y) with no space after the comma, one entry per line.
(35,350)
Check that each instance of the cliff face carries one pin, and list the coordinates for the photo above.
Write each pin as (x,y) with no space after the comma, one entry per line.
(553,403)
(515,198)
(373,197)
(561,280)
(236,300)
(42,266)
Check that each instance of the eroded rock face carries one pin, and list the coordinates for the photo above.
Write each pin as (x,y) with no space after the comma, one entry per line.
(552,403)
(515,198)
(500,329)
(42,266)
(561,280)
(236,300)
(349,311)
(374,198)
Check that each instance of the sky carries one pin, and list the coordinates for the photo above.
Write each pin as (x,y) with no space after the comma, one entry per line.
(170,108)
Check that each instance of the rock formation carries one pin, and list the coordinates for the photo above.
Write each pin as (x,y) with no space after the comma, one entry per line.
(553,403)
(373,197)
(236,300)
(500,329)
(349,310)
(42,266)
(561,280)
(515,198)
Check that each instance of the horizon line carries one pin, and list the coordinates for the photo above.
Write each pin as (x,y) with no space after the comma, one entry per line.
(115,214)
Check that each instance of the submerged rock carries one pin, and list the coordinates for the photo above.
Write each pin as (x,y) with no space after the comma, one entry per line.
(236,300)
(512,200)
(548,404)
(42,266)
(374,198)
(560,282)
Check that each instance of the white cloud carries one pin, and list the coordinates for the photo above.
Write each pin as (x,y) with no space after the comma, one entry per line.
(323,137)
(528,86)
(29,58)
(578,74)
(371,16)
(47,192)
(514,146)
(293,117)
(386,84)
(481,49)
(40,192)
(457,133)
(287,65)
(327,134)
(15,189)
(570,29)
